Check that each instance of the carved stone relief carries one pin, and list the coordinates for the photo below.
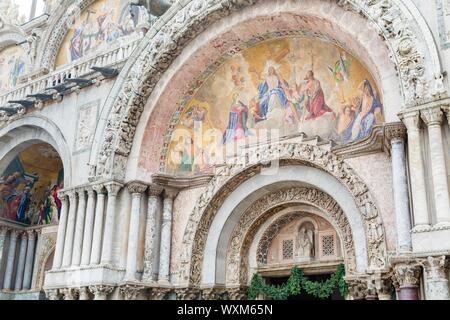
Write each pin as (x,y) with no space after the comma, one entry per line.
(87,121)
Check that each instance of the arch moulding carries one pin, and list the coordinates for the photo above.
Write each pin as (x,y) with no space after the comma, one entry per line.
(229,177)
(409,40)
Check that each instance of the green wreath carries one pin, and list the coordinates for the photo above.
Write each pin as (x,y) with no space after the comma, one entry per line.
(298,282)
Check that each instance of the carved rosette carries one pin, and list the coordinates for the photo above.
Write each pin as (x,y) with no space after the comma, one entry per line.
(181,26)
(230,176)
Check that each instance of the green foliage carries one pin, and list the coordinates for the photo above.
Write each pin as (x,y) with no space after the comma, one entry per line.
(298,282)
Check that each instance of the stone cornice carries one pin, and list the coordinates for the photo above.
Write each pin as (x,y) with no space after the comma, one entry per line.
(374,143)
(178,182)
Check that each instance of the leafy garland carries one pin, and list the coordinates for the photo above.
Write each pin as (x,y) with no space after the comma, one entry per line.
(296,282)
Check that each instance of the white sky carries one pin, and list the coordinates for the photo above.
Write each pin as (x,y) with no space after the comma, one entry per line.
(25,7)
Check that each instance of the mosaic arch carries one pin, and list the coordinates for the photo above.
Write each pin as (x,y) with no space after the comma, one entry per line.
(13,64)
(98,27)
(273,88)
(29,186)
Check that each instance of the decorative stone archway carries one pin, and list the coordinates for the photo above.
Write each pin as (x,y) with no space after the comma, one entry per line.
(230,177)
(410,43)
(252,219)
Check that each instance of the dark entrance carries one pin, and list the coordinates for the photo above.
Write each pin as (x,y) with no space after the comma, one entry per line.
(303,295)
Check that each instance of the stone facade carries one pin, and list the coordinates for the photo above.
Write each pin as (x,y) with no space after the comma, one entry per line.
(127,229)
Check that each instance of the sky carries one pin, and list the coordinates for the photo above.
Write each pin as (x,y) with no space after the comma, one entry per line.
(25,7)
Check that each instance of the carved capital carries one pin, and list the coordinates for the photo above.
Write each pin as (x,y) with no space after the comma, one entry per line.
(170,193)
(159,293)
(155,190)
(113,188)
(237,293)
(212,294)
(435,267)
(31,233)
(90,191)
(130,291)
(446,110)
(84,293)
(395,131)
(23,235)
(187,294)
(101,292)
(3,231)
(357,289)
(406,274)
(72,194)
(432,116)
(99,188)
(136,187)
(70,293)
(52,294)
(411,120)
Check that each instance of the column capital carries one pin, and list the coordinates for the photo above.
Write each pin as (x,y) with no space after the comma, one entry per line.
(90,191)
(411,119)
(446,109)
(23,234)
(395,131)
(70,293)
(357,288)
(72,194)
(435,267)
(101,290)
(31,233)
(52,294)
(170,193)
(62,195)
(81,191)
(155,190)
(99,188)
(113,188)
(15,232)
(137,187)
(3,230)
(406,274)
(432,116)
(131,291)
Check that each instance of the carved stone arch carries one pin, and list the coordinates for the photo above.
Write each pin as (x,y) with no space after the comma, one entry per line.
(47,252)
(398,23)
(53,37)
(229,177)
(262,209)
(10,35)
(28,130)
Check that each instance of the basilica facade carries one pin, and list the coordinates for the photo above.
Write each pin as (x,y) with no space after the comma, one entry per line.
(175,149)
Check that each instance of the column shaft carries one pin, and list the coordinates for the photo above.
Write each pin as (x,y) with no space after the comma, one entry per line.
(7,283)
(60,238)
(29,260)
(108,234)
(88,228)
(166,239)
(416,170)
(3,248)
(98,226)
(70,232)
(79,228)
(21,263)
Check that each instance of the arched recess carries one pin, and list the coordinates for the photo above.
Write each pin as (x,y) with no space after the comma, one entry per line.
(10,35)
(236,185)
(401,29)
(280,204)
(26,131)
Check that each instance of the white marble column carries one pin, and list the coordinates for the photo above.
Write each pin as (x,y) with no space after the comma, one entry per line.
(416,171)
(136,189)
(88,227)
(60,238)
(7,282)
(396,133)
(79,227)
(436,280)
(21,263)
(96,251)
(166,237)
(70,231)
(29,263)
(152,235)
(3,247)
(433,118)
(113,189)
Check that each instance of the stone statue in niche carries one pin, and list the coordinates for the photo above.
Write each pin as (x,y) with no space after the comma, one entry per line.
(306,244)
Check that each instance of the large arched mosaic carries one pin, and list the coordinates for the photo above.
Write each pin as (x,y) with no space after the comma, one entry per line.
(261,210)
(277,87)
(230,176)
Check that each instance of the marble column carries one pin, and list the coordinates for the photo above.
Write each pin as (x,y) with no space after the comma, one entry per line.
(166,237)
(7,282)
(406,278)
(88,227)
(60,238)
(433,118)
(70,231)
(113,189)
(79,228)
(136,189)
(97,237)
(3,248)
(152,233)
(21,263)
(29,263)
(396,134)
(416,171)
(436,282)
